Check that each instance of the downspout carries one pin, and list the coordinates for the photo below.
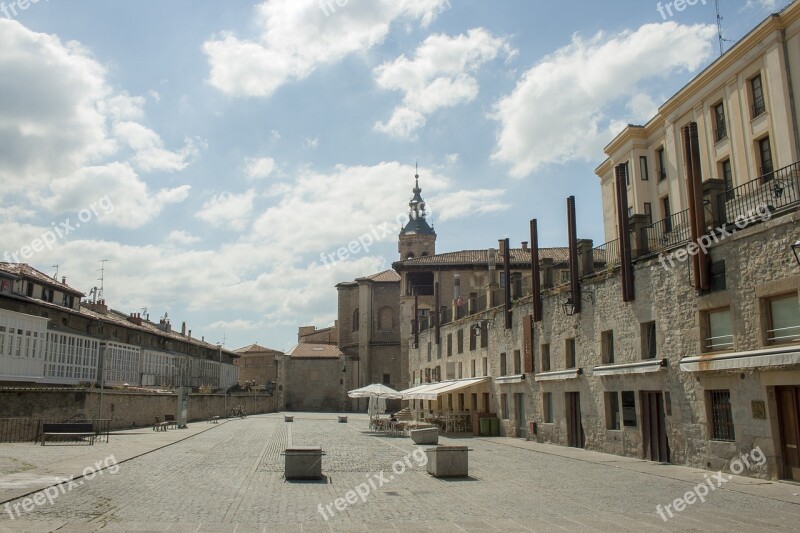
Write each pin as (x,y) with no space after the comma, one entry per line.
(791,95)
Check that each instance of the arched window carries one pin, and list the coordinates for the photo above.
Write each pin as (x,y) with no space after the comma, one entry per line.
(410,255)
(386,319)
(355,320)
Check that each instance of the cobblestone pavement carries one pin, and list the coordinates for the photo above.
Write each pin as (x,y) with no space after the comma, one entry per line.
(231,479)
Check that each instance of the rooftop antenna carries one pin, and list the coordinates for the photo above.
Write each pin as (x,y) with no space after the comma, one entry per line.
(102,271)
(722,40)
(55,276)
(224,339)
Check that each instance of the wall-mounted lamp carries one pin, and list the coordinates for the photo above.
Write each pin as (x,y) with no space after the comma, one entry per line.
(796,250)
(569,305)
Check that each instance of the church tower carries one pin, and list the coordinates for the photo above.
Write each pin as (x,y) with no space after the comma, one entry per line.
(417,238)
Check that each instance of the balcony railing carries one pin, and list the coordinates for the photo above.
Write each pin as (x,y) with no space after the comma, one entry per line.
(773,190)
(480,303)
(606,256)
(721,132)
(671,231)
(419,290)
(661,173)
(758,108)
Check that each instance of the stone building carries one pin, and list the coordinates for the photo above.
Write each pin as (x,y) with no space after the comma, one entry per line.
(369,332)
(311,377)
(258,366)
(48,336)
(310,334)
(678,339)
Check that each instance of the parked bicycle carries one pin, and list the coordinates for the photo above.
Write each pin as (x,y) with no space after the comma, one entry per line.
(237,411)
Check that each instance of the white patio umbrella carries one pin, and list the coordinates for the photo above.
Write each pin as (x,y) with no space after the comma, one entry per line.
(376,390)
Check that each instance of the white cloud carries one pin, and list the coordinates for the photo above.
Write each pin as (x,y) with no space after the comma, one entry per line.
(440,75)
(59,117)
(258,168)
(469,202)
(297,37)
(181,238)
(228,210)
(558,110)
(311,143)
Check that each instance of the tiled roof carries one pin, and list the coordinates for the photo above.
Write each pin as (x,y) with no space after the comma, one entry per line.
(481,257)
(27,271)
(256,348)
(387,276)
(315,351)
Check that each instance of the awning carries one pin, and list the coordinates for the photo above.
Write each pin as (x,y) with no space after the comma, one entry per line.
(431,391)
(505,380)
(559,375)
(771,357)
(640,367)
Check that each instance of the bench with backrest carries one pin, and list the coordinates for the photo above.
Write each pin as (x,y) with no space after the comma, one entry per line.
(77,430)
(169,420)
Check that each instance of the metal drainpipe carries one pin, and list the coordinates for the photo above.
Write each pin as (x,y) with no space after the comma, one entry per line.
(791,95)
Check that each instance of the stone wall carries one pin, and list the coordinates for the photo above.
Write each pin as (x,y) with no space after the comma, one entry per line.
(314,385)
(125,409)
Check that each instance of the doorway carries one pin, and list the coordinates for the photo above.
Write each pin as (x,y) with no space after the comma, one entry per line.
(654,427)
(788,399)
(575,436)
(519,407)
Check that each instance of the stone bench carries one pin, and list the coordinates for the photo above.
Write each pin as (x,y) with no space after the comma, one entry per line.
(425,436)
(303,462)
(448,461)
(342,419)
(288,418)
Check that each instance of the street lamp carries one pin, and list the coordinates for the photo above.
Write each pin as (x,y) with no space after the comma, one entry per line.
(796,250)
(570,307)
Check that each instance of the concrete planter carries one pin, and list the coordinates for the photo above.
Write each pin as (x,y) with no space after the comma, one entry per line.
(425,436)
(303,462)
(342,419)
(288,418)
(448,461)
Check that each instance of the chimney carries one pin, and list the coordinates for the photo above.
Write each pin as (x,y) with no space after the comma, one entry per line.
(525,245)
(190,334)
(64,280)
(183,328)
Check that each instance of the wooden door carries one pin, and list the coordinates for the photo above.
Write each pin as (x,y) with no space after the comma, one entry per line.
(574,426)
(654,427)
(788,420)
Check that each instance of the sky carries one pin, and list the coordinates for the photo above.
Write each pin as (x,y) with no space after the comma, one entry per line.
(234,160)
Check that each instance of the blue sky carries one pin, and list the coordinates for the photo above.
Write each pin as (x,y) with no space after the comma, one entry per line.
(214,151)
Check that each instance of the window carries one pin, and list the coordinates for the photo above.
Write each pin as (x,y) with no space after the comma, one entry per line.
(720,128)
(547,406)
(485,366)
(570,353)
(460,336)
(607,347)
(387,379)
(649,340)
(517,363)
(629,408)
(545,349)
(473,338)
(630,212)
(661,171)
(504,406)
(355,320)
(502,279)
(719,330)
(666,214)
(784,320)
(473,369)
(643,167)
(565,276)
(484,335)
(449,344)
(503,364)
(727,175)
(757,92)
(717,273)
(612,411)
(460,373)
(429,351)
(29,291)
(648,212)
(721,415)
(765,157)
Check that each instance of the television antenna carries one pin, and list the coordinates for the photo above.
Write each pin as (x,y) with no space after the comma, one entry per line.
(55,276)
(722,40)
(101,279)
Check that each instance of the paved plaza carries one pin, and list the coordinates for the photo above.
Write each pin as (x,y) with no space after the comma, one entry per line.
(229,477)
